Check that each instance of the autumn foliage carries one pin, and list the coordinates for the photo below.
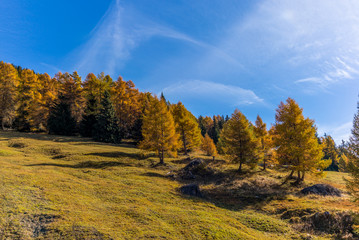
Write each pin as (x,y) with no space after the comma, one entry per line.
(110,111)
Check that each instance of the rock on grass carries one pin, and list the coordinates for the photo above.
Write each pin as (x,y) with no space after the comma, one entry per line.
(191,189)
(322,189)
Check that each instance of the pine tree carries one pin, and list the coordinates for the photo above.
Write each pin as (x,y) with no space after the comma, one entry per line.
(158,130)
(106,128)
(201,125)
(9,82)
(296,142)
(239,140)
(89,118)
(186,127)
(214,131)
(352,183)
(208,146)
(61,121)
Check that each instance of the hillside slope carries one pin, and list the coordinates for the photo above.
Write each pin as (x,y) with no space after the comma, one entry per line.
(57,187)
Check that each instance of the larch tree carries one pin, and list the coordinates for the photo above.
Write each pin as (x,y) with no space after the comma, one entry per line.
(48,90)
(186,126)
(106,128)
(94,87)
(330,152)
(158,130)
(28,95)
(71,91)
(343,163)
(9,81)
(260,130)
(127,103)
(208,146)
(296,142)
(239,140)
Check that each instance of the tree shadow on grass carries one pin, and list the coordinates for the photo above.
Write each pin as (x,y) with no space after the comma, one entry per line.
(118,154)
(154,174)
(87,164)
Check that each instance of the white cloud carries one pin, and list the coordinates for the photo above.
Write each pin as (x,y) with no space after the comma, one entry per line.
(203,90)
(318,38)
(338,132)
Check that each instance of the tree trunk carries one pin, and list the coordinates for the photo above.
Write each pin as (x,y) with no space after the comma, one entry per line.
(184,143)
(299,179)
(264,164)
(2,124)
(302,179)
(240,167)
(161,157)
(289,177)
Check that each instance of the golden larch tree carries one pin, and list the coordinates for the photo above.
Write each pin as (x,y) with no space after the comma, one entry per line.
(28,101)
(296,142)
(186,126)
(71,91)
(9,81)
(239,141)
(158,130)
(48,90)
(208,146)
(127,104)
(260,130)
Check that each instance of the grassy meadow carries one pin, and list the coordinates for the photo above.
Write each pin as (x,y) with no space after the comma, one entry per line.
(55,187)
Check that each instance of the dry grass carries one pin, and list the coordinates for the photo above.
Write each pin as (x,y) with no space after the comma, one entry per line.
(72,188)
(68,187)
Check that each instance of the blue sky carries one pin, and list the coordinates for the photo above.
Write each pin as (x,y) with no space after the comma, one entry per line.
(213,55)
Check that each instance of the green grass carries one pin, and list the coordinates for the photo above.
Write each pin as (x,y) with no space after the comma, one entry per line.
(88,189)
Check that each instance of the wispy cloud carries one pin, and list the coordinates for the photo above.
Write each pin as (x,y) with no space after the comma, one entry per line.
(203,90)
(319,39)
(119,32)
(49,66)
(338,132)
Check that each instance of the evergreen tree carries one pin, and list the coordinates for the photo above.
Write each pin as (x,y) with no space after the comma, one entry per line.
(89,118)
(239,140)
(9,82)
(214,131)
(158,130)
(186,127)
(353,155)
(201,125)
(296,142)
(61,121)
(106,128)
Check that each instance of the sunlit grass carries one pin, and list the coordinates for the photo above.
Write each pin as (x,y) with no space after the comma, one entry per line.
(115,191)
